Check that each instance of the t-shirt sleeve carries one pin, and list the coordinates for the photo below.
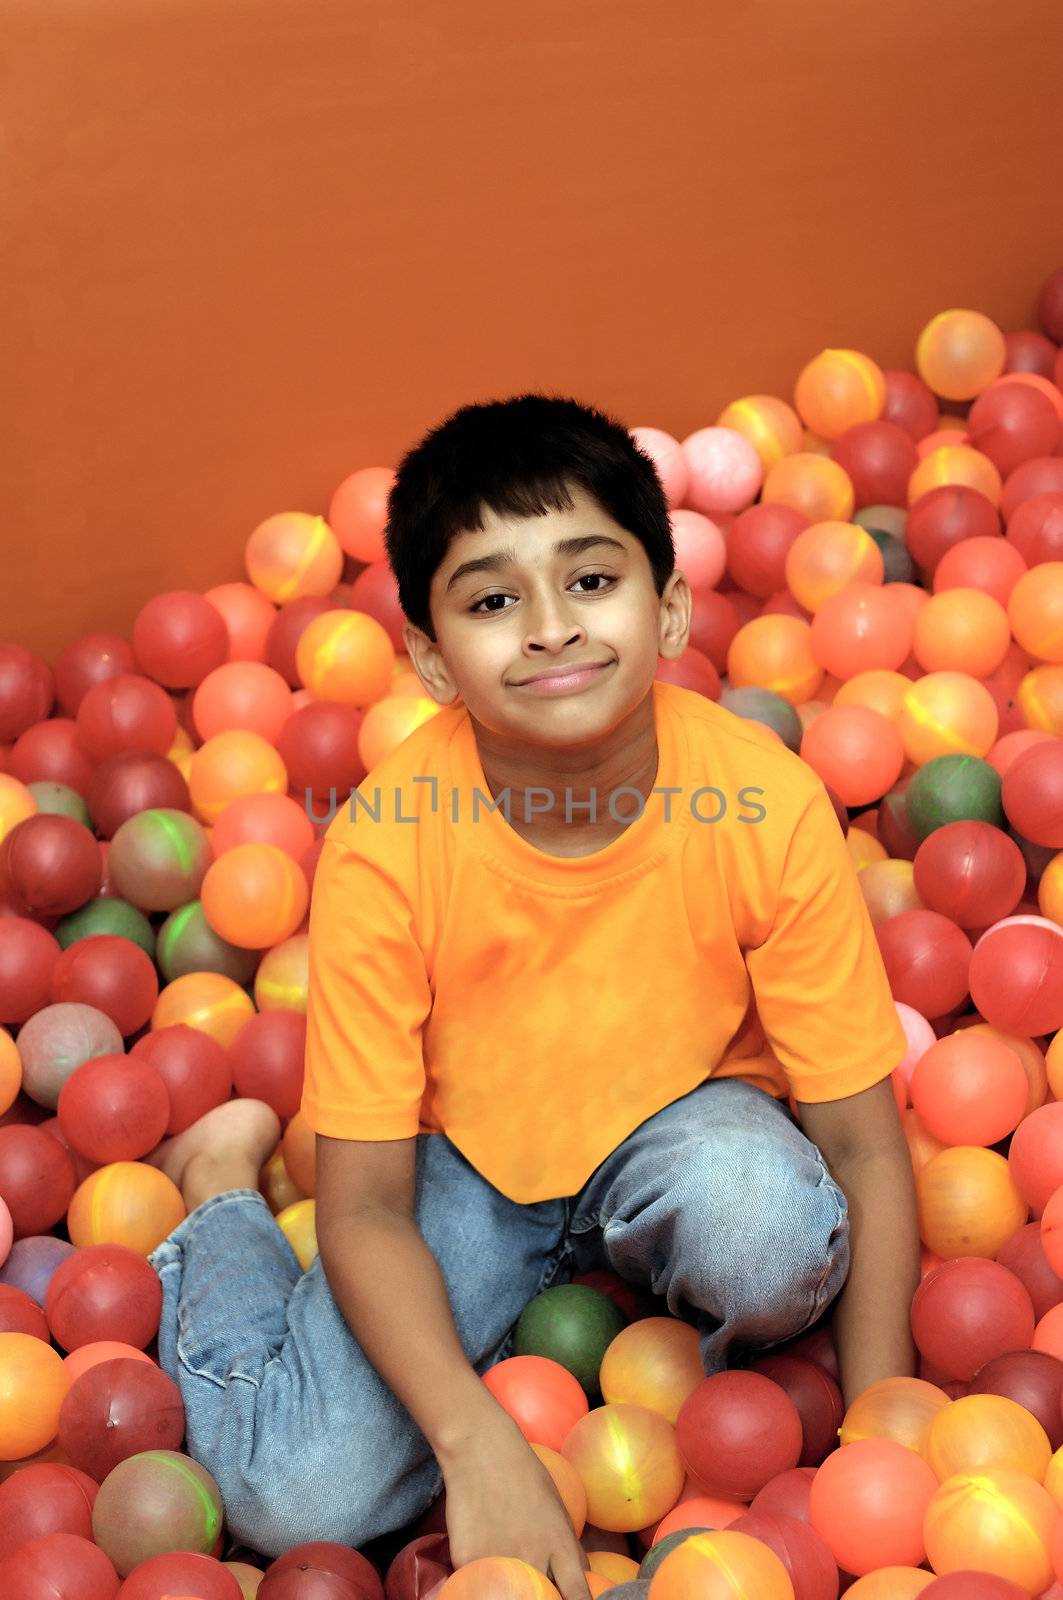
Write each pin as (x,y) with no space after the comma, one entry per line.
(818,978)
(369,998)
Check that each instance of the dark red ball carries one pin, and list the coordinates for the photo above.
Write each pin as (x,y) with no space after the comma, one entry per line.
(879,457)
(292,1576)
(818,1400)
(27,690)
(59,1566)
(1023,1254)
(136,780)
(114,1108)
(1028,351)
(714,622)
(105,1291)
(758,541)
(180,1576)
(49,865)
(944,517)
(1050,306)
(911,404)
(28,954)
(736,1431)
(970,872)
(1012,423)
(786,1494)
(118,1409)
(51,752)
(812,1569)
(1036,529)
(1033,1379)
(178,637)
(967,1311)
(319,746)
(419,1567)
(195,1069)
(37,1180)
(285,631)
(927,960)
(267,1060)
(42,1499)
(20,1314)
(126,713)
(93,659)
(111,973)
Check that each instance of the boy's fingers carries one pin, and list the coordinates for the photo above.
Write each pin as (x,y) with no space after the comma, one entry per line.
(566,1567)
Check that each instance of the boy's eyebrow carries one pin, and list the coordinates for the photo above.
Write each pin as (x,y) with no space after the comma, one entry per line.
(500,559)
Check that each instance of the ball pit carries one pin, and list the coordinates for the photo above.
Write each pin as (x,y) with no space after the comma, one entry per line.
(878,581)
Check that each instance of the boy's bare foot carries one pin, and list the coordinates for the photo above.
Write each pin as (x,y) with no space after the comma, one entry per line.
(226,1149)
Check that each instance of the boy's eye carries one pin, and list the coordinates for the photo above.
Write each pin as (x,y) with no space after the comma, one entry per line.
(584,577)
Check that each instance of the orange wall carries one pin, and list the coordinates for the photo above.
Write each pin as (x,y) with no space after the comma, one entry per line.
(254,244)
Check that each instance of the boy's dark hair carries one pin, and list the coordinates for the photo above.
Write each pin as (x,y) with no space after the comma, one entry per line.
(518,457)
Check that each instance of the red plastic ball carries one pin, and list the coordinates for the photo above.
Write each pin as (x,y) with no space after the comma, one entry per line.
(42,1499)
(1023,1254)
(59,1566)
(195,1069)
(49,865)
(691,670)
(37,1179)
(1029,351)
(541,1396)
(126,713)
(945,516)
(868,1503)
(135,781)
(51,752)
(1035,1155)
(20,1314)
(1011,424)
(970,872)
(1036,529)
(376,592)
(94,658)
(27,690)
(736,1431)
(178,637)
(1033,1379)
(266,1058)
(321,1557)
(114,1108)
(1016,975)
(911,404)
(758,541)
(968,1311)
(812,1569)
(180,1576)
(111,973)
(879,457)
(713,624)
(28,956)
(1031,794)
(818,1400)
(927,960)
(287,628)
(992,565)
(104,1292)
(969,1088)
(319,747)
(1042,475)
(118,1409)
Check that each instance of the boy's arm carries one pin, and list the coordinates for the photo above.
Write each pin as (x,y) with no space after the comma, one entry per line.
(862,1141)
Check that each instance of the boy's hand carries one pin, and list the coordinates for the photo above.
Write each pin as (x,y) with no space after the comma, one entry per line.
(501,1501)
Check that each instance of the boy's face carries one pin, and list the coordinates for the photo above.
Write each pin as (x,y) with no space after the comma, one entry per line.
(497,627)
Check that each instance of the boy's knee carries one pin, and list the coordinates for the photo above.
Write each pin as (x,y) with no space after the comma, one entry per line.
(271,1511)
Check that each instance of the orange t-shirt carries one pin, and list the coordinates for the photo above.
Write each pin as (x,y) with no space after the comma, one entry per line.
(536,1008)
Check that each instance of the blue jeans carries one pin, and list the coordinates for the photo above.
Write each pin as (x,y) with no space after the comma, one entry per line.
(718,1202)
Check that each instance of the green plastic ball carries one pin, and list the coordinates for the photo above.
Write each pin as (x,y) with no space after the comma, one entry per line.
(107,915)
(953,789)
(897,564)
(58,800)
(573,1325)
(187,943)
(764,705)
(656,1554)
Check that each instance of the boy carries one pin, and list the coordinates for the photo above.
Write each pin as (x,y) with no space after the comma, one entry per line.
(571,945)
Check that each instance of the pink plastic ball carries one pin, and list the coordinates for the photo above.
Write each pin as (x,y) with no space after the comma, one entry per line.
(725,471)
(700,548)
(667,456)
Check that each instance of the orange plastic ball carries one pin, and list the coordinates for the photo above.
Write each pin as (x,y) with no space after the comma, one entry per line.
(568,1484)
(900,1409)
(987,1433)
(829,556)
(542,1397)
(775,652)
(388,722)
(1035,612)
(345,656)
(254,896)
(233,764)
(94,1354)
(969,1089)
(812,484)
(772,427)
(862,628)
(868,1501)
(274,819)
(654,1363)
(617,1568)
(890,1583)
(961,630)
(888,888)
(629,1462)
(277,1185)
(1030,1056)
(33,1386)
(242,694)
(959,353)
(864,849)
(498,1578)
(358,513)
(921,1142)
(947,714)
(997,1521)
(1049,899)
(248,616)
(10,1071)
(205,1000)
(126,1202)
(953,464)
(880,690)
(293,554)
(299,1147)
(837,390)
(1039,698)
(16,803)
(858,753)
(298,1223)
(969,1204)
(721,1566)
(283,976)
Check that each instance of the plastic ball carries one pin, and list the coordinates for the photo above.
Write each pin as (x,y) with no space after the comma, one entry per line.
(628,1459)
(812,484)
(254,895)
(826,557)
(1035,1156)
(125,1203)
(947,713)
(31,1264)
(49,866)
(700,548)
(10,1071)
(271,819)
(955,465)
(244,695)
(816,1396)
(113,974)
(56,1041)
(104,1292)
(959,353)
(345,656)
(757,544)
(319,747)
(654,1363)
(1016,975)
(1050,306)
(969,1089)
(990,565)
(667,456)
(1012,423)
(767,707)
(283,976)
(358,512)
(1042,475)
(496,1578)
(26,690)
(37,1181)
(961,630)
(158,859)
(32,1386)
(63,1565)
(868,1501)
(572,1325)
(300,1158)
(133,781)
(233,764)
(721,1566)
(900,1409)
(879,689)
(857,752)
(927,960)
(188,944)
(387,723)
(1023,1255)
(997,1522)
(114,1108)
(980,1433)
(1033,1380)
(772,427)
(952,788)
(123,714)
(194,1069)
(736,1431)
(861,628)
(155,1502)
(1035,530)
(178,637)
(1035,612)
(205,1000)
(542,1397)
(945,517)
(118,1409)
(1040,699)
(724,471)
(837,390)
(266,1058)
(293,554)
(968,871)
(43,1499)
(775,653)
(880,458)
(910,403)
(248,617)
(969,1204)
